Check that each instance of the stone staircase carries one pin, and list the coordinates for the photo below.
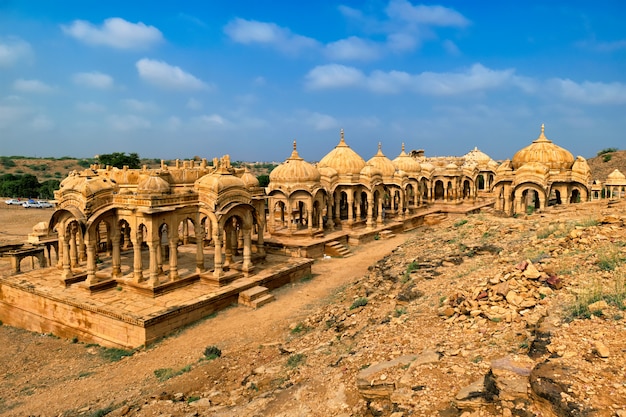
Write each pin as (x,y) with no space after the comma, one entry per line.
(318,235)
(255,297)
(337,250)
(386,234)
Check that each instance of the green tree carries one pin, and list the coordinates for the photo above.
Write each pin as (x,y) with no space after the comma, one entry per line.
(120,159)
(7,162)
(28,186)
(47,189)
(264,180)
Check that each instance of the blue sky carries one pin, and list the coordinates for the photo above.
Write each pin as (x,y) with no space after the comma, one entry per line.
(180,79)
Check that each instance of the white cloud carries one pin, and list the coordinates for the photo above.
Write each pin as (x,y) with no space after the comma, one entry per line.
(333,76)
(400,42)
(128,122)
(254,32)
(139,106)
(403,10)
(115,33)
(406,26)
(168,76)
(589,92)
(90,107)
(13,50)
(93,79)
(352,48)
(32,86)
(476,78)
(212,119)
(194,104)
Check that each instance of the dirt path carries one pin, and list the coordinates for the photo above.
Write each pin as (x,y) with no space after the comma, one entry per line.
(61,376)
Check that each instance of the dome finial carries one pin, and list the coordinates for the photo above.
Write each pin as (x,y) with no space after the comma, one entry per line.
(380,146)
(294,153)
(402,146)
(542,137)
(342,139)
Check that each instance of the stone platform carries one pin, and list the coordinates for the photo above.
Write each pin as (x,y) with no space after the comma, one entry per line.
(120,317)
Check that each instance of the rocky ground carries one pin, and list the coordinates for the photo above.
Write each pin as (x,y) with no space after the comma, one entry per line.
(478,315)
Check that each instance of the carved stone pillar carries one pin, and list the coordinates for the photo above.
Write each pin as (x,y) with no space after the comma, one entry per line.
(369,223)
(174,258)
(153,247)
(217,238)
(67,264)
(137,261)
(90,244)
(199,249)
(247,243)
(73,247)
(116,258)
(350,209)
(379,219)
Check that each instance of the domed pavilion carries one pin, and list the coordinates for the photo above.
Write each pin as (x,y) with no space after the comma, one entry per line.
(117,210)
(296,199)
(541,175)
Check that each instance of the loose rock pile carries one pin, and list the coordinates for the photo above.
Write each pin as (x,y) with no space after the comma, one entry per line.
(517,294)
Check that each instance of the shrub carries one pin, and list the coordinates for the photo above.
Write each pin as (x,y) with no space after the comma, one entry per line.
(607,157)
(399,311)
(296,360)
(212,352)
(460,223)
(102,412)
(300,327)
(7,162)
(606,151)
(359,302)
(115,354)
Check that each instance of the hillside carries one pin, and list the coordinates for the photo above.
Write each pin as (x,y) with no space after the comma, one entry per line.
(600,168)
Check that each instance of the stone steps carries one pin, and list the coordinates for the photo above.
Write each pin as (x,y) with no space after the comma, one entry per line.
(337,249)
(318,235)
(255,297)
(386,234)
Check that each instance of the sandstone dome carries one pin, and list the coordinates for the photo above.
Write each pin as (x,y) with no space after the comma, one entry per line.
(370,171)
(87,182)
(218,182)
(476,155)
(384,164)
(544,152)
(249,180)
(295,170)
(406,163)
(153,184)
(342,159)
